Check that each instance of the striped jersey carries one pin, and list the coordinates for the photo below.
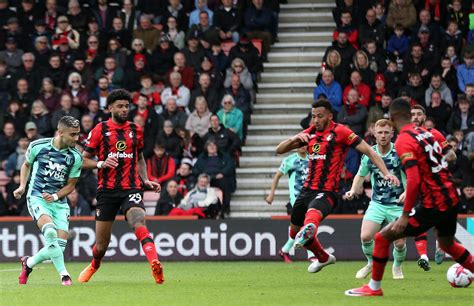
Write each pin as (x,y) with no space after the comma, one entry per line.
(297,170)
(125,142)
(52,168)
(382,191)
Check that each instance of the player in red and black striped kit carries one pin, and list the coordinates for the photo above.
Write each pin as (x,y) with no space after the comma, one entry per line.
(327,146)
(423,154)
(118,145)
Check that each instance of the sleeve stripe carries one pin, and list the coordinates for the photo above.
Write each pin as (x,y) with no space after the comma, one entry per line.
(89,150)
(356,142)
(410,163)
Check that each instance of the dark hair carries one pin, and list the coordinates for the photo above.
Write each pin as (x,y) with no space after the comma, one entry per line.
(420,107)
(400,108)
(68,122)
(322,103)
(118,94)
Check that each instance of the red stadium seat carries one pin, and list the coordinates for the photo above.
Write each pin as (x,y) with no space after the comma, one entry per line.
(258,44)
(151,196)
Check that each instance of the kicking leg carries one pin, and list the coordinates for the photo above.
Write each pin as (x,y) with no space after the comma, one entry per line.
(136,220)
(457,252)
(367,233)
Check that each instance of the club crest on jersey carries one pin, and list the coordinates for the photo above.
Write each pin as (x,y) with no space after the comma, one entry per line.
(121,145)
(130,135)
(316,147)
(68,160)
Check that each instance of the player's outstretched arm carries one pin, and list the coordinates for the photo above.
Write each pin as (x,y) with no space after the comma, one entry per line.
(356,184)
(63,192)
(364,148)
(142,171)
(276,179)
(293,143)
(89,163)
(24,174)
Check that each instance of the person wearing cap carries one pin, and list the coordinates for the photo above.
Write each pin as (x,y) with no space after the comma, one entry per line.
(401,12)
(194,51)
(162,57)
(12,54)
(5,12)
(148,33)
(65,31)
(31,131)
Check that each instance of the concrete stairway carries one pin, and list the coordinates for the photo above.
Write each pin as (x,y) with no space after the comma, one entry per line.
(284,98)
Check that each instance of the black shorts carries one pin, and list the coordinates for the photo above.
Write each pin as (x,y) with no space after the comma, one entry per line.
(109,201)
(324,201)
(422,219)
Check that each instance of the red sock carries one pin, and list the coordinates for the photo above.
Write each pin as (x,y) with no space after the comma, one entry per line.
(380,257)
(313,216)
(148,244)
(461,255)
(315,246)
(96,258)
(421,243)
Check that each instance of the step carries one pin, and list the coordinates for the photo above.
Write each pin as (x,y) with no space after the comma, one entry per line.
(299,57)
(286,87)
(291,27)
(310,5)
(288,16)
(257,206)
(252,183)
(260,161)
(269,140)
(259,151)
(277,118)
(256,215)
(260,172)
(272,98)
(269,77)
(307,36)
(274,129)
(292,66)
(283,108)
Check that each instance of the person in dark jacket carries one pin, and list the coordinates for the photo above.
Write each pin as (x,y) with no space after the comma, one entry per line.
(353,113)
(439,110)
(226,140)
(227,20)
(171,140)
(246,51)
(462,117)
(168,199)
(372,29)
(220,167)
(162,57)
(343,47)
(259,23)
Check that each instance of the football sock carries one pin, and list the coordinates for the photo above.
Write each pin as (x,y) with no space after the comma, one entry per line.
(310,254)
(287,247)
(368,249)
(43,254)
(62,244)
(460,255)
(54,250)
(421,242)
(399,255)
(315,246)
(380,257)
(96,258)
(313,216)
(147,242)
(374,285)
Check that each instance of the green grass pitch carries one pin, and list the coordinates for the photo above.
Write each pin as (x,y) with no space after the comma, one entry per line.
(227,283)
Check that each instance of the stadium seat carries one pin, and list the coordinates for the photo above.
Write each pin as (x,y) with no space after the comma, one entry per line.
(149,196)
(226,46)
(258,44)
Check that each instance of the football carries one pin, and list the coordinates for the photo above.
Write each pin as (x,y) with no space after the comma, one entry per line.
(459,277)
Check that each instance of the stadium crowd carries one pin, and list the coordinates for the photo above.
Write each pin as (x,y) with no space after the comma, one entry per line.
(194,101)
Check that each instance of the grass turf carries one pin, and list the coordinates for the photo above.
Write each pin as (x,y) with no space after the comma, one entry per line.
(227,283)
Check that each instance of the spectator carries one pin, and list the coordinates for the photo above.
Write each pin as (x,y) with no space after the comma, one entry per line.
(171,140)
(11,55)
(169,199)
(51,14)
(162,57)
(330,89)
(220,167)
(376,56)
(346,5)
(77,204)
(14,207)
(218,57)
(177,36)
(238,67)
(92,52)
(204,31)
(436,34)
(226,140)
(102,91)
(242,98)
(414,88)
(23,94)
(175,114)
(334,63)
(353,114)
(193,52)
(462,117)
(148,136)
(465,72)
(40,30)
(379,110)
(86,73)
(132,77)
(32,132)
(185,180)
(104,15)
(343,47)
(227,20)
(64,32)
(153,122)
(361,88)
(416,62)
(398,43)
(77,91)
(8,142)
(372,29)
(161,166)
(42,50)
(115,50)
(177,90)
(456,13)
(187,72)
(122,37)
(439,110)
(201,6)
(138,47)
(148,33)
(76,16)
(379,89)
(198,120)
(360,62)
(466,204)
(249,54)
(29,71)
(347,26)
(458,166)
(429,45)
(56,71)
(176,10)
(87,124)
(15,114)
(401,12)
(113,73)
(230,116)
(66,110)
(449,75)
(152,92)
(129,14)
(258,22)
(50,95)
(453,37)
(41,117)
(216,79)
(93,110)
(437,84)
(5,12)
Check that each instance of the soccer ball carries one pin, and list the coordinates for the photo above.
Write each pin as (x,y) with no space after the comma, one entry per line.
(459,277)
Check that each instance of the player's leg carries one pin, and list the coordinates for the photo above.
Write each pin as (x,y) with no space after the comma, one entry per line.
(439,254)
(421,244)
(135,214)
(392,213)
(285,250)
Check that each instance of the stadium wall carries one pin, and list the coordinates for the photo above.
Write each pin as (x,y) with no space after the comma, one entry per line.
(203,240)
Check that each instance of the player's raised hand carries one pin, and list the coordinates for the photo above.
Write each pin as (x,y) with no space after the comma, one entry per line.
(269,199)
(110,162)
(392,179)
(47,197)
(402,197)
(349,195)
(156,187)
(303,137)
(18,193)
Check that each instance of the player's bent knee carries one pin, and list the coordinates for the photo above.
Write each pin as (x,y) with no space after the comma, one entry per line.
(445,242)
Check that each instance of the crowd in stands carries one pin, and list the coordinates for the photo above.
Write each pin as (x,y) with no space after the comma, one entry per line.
(192,98)
(422,51)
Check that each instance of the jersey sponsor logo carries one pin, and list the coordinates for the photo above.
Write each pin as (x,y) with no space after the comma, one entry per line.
(55,170)
(121,145)
(317,156)
(120,155)
(316,147)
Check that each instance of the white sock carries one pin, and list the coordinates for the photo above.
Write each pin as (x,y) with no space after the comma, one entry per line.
(374,285)
(64,273)
(29,262)
(425,257)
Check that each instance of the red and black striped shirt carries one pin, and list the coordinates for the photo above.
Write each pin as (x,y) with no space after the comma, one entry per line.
(326,153)
(122,141)
(425,148)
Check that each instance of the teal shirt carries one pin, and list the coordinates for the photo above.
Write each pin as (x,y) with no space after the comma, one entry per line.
(232,120)
(297,170)
(52,168)
(383,192)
